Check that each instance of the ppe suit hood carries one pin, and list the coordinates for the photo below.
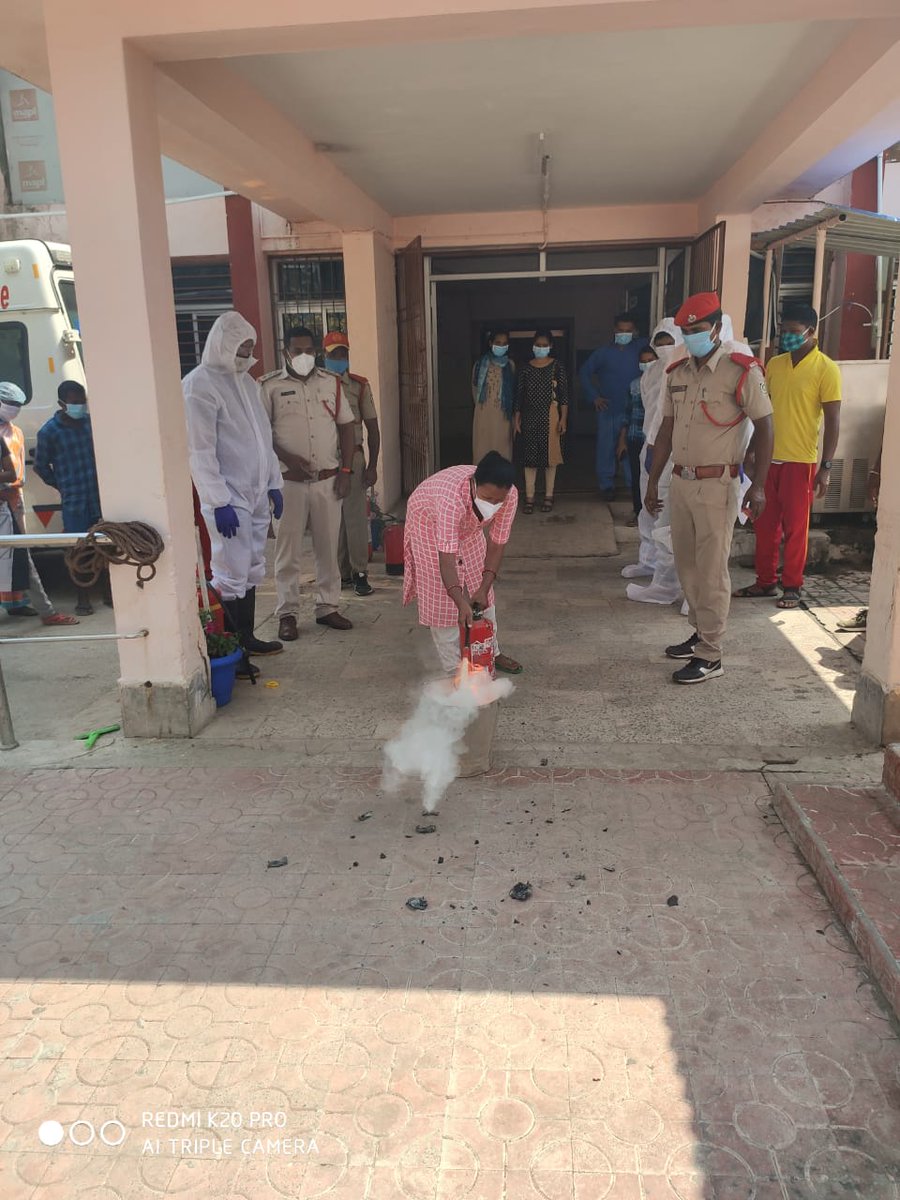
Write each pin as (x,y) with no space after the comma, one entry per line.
(667,325)
(227,333)
(727,338)
(11,393)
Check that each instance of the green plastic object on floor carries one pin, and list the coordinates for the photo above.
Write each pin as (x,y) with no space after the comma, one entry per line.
(90,738)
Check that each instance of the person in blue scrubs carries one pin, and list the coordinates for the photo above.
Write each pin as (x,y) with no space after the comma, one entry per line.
(606,379)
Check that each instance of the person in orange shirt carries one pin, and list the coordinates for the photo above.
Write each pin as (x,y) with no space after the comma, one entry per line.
(805,388)
(16,603)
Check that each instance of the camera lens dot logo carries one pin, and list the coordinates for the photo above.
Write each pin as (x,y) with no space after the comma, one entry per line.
(51,1133)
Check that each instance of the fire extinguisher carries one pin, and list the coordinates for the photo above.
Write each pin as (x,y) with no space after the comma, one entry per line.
(476,642)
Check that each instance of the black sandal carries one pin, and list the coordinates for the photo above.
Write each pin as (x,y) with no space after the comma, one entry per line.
(755,591)
(547,506)
(528,508)
(790,599)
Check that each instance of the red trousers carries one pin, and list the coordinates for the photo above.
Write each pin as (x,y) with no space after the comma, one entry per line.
(789,497)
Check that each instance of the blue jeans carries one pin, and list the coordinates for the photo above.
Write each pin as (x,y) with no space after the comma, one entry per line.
(77,519)
(609,426)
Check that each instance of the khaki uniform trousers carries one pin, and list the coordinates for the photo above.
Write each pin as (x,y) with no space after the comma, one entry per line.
(353,551)
(314,505)
(703,515)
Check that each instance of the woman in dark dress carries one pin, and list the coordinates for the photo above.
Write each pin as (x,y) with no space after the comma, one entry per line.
(542,413)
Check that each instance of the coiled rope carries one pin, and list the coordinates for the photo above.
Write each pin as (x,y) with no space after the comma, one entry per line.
(131,544)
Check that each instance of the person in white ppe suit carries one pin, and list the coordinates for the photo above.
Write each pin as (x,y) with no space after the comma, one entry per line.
(656,553)
(235,472)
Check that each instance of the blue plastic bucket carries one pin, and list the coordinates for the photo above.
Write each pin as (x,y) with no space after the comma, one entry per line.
(221,676)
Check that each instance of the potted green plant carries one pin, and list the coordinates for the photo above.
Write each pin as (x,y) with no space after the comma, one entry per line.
(225,652)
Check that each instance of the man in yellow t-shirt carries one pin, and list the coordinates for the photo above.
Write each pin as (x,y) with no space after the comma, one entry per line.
(805,388)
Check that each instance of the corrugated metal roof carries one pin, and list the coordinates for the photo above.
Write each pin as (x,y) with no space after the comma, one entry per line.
(850,229)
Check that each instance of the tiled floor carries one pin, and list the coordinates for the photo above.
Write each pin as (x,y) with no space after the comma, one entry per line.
(675,1013)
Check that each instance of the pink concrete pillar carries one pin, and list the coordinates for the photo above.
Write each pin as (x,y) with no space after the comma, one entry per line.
(736,271)
(371,293)
(109,147)
(251,294)
(876,705)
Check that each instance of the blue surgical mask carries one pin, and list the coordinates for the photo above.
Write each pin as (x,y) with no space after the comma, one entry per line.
(540,351)
(337,366)
(792,341)
(624,339)
(645,366)
(500,351)
(76,411)
(700,344)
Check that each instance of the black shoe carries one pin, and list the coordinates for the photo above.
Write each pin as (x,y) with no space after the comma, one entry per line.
(347,585)
(361,585)
(246,615)
(698,670)
(683,649)
(23,610)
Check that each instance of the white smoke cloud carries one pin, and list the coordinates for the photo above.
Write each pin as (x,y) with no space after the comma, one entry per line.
(429,745)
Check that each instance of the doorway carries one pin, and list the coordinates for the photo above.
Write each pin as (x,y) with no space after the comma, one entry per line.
(578,304)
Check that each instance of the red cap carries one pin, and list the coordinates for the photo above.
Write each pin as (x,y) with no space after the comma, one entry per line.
(335,339)
(697,308)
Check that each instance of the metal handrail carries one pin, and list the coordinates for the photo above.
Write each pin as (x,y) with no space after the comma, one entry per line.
(48,541)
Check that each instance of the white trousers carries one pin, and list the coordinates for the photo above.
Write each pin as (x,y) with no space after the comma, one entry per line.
(648,548)
(446,642)
(665,577)
(239,563)
(317,506)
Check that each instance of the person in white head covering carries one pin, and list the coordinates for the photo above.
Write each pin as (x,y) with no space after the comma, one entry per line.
(235,472)
(666,340)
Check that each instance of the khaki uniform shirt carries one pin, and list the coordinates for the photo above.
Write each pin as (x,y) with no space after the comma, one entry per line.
(358,392)
(703,401)
(305,415)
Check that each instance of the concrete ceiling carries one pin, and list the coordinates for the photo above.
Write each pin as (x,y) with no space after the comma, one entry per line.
(630,118)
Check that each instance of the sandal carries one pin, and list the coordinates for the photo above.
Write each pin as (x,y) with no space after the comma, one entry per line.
(528,508)
(755,591)
(59,619)
(790,598)
(547,506)
(509,665)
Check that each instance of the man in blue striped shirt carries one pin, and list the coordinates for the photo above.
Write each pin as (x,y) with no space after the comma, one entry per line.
(64,459)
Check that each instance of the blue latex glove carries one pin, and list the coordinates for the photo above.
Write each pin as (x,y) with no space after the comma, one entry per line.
(227,521)
(277,498)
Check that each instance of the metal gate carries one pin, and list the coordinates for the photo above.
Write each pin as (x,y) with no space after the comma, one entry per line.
(708,261)
(415,433)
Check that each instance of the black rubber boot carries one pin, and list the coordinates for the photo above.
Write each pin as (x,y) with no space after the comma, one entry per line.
(245,668)
(247,616)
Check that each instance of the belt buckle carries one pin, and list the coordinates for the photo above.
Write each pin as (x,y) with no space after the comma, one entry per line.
(688,472)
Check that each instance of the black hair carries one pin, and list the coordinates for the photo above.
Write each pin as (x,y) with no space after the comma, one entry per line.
(496,470)
(500,331)
(544,333)
(714,318)
(795,311)
(648,349)
(68,386)
(628,317)
(299,331)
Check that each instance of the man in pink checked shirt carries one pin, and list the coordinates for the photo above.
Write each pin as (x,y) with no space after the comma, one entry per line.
(457,525)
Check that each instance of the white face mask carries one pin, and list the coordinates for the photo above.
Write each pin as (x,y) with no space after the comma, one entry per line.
(487,509)
(303,364)
(9,412)
(242,365)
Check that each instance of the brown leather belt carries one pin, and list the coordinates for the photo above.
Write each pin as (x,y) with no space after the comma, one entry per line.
(705,472)
(327,474)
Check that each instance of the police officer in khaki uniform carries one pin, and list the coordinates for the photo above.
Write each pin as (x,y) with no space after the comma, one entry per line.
(353,548)
(709,397)
(312,431)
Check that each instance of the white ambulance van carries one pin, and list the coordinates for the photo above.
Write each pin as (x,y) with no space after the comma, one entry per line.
(40,346)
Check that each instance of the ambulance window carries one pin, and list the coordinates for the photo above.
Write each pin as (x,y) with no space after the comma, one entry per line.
(14,365)
(69,299)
